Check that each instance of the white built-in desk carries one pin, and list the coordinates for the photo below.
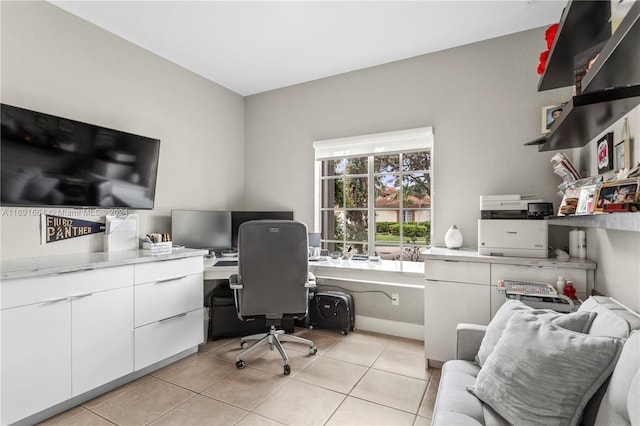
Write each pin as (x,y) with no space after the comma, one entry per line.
(75,326)
(385,271)
(461,287)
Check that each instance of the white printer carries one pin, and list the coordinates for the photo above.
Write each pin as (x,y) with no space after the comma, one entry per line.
(513,225)
(513,237)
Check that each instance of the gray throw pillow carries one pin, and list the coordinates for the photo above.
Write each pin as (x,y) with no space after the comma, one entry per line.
(575,321)
(542,374)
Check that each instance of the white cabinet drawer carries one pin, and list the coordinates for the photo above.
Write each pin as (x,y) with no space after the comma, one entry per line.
(26,291)
(162,339)
(165,298)
(155,271)
(464,272)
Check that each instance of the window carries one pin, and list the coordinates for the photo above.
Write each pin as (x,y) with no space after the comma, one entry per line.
(374,193)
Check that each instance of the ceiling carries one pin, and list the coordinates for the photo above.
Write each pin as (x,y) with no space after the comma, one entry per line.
(254,46)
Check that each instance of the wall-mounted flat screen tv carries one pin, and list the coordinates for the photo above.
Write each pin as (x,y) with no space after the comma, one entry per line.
(53,161)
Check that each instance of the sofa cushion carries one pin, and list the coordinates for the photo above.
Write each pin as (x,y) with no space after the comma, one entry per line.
(456,406)
(613,319)
(563,369)
(576,321)
(620,403)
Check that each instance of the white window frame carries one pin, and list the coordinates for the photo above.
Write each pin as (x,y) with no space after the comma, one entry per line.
(411,140)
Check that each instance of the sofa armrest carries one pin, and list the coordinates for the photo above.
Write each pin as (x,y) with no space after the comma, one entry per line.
(468,339)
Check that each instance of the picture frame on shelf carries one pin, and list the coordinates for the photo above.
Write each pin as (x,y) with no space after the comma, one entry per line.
(582,62)
(604,153)
(549,115)
(617,192)
(619,155)
(585,200)
(622,150)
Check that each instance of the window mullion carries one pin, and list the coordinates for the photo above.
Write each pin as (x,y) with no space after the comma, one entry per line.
(371,211)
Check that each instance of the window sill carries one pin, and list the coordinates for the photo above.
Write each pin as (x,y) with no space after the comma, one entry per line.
(385,272)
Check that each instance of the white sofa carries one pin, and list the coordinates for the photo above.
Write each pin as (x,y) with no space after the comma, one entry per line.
(616,401)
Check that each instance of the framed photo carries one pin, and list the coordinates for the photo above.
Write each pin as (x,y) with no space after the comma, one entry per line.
(617,191)
(604,153)
(585,199)
(622,150)
(549,115)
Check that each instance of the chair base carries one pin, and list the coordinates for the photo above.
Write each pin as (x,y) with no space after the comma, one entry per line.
(273,339)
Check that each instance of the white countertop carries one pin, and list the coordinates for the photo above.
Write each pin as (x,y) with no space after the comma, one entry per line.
(328,265)
(383,265)
(47,265)
(443,253)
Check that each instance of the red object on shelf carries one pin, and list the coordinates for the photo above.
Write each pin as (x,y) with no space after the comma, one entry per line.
(549,36)
(570,290)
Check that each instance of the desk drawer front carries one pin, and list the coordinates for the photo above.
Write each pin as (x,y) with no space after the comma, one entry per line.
(162,339)
(26,291)
(162,299)
(168,269)
(464,272)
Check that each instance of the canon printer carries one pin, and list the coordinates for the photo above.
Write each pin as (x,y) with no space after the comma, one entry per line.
(508,226)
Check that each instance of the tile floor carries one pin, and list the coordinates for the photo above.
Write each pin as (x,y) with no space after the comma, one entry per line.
(358,379)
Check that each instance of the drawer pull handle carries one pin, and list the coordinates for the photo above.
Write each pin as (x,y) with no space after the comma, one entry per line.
(60,299)
(171,279)
(79,296)
(174,317)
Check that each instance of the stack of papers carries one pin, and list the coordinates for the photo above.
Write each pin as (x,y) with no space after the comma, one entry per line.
(564,168)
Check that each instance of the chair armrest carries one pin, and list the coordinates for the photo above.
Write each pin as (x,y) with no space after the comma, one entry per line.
(469,337)
(233,282)
(311,281)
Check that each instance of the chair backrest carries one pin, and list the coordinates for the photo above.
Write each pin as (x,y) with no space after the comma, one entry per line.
(272,268)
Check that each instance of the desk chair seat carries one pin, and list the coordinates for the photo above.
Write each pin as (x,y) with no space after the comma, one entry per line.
(273,282)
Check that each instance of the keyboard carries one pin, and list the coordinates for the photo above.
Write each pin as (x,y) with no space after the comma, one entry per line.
(526,287)
(226,263)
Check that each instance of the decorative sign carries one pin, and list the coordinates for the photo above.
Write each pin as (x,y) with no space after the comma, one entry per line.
(58,228)
(604,152)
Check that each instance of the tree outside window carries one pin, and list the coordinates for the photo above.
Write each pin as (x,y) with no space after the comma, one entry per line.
(377,204)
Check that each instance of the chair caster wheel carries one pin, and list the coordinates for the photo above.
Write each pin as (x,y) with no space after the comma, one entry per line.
(244,345)
(343,332)
(240,364)
(313,350)
(310,327)
(287,370)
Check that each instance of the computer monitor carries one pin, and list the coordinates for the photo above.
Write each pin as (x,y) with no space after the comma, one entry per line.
(203,229)
(238,218)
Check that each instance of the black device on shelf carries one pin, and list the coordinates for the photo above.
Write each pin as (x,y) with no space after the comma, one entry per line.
(54,161)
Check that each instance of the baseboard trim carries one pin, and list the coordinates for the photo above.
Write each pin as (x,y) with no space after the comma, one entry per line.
(392,328)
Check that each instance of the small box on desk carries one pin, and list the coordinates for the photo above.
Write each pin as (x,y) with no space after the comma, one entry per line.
(158,248)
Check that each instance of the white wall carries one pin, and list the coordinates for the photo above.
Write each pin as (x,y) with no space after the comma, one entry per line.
(483,104)
(481,100)
(57,63)
(617,253)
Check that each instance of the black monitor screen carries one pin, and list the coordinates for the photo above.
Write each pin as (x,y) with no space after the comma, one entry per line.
(201,229)
(238,218)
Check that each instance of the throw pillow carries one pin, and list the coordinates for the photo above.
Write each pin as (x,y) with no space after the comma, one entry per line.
(542,374)
(575,321)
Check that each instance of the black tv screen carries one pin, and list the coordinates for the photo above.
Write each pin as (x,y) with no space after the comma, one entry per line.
(238,218)
(202,229)
(53,161)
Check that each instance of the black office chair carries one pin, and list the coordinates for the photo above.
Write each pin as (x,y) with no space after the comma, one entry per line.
(273,281)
